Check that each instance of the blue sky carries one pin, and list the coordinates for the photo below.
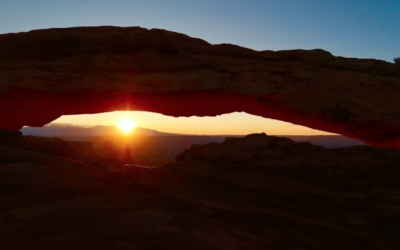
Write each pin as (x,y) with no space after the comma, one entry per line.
(352,28)
(349,28)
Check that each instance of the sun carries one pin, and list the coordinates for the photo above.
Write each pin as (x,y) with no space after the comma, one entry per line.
(126,125)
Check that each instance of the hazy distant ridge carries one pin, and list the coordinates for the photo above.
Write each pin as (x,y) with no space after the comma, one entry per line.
(74,131)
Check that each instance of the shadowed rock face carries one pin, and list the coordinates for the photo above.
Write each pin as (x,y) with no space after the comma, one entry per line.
(258,192)
(48,73)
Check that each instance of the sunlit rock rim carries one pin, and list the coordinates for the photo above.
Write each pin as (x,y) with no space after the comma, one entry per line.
(84,70)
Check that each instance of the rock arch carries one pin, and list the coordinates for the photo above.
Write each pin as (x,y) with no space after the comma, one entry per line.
(48,73)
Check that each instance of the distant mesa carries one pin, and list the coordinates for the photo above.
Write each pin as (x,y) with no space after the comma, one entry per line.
(249,148)
(84,70)
(262,153)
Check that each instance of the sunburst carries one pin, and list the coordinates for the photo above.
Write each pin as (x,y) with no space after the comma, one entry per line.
(126,125)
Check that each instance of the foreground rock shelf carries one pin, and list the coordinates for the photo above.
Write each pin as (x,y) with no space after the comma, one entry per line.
(257,192)
(84,70)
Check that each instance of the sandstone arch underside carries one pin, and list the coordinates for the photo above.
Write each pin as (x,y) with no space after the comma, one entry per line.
(48,73)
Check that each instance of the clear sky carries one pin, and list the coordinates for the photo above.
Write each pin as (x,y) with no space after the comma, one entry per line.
(350,28)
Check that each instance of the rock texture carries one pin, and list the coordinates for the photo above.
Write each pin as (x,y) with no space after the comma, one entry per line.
(58,146)
(48,73)
(258,192)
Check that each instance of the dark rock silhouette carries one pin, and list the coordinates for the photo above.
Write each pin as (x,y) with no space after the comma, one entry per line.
(54,71)
(109,150)
(80,149)
(50,145)
(59,146)
(127,158)
(282,155)
(257,192)
(11,137)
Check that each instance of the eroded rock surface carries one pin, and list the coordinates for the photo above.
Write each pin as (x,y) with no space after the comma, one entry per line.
(257,192)
(48,73)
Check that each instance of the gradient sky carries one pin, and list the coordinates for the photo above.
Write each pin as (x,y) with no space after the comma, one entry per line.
(349,28)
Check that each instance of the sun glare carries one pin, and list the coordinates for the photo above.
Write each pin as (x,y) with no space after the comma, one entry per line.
(126,125)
